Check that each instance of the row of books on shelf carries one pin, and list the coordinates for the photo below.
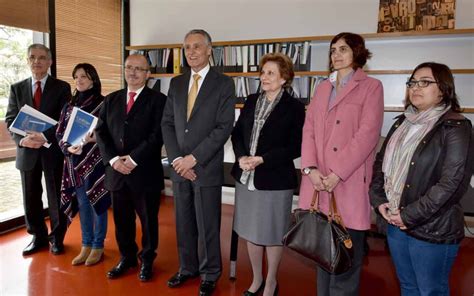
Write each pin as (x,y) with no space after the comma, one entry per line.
(241,58)
(302,88)
(164,60)
(245,58)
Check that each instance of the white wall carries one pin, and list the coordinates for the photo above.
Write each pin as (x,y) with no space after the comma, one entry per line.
(166,21)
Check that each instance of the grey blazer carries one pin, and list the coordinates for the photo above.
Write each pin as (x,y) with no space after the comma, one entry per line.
(207,130)
(55,94)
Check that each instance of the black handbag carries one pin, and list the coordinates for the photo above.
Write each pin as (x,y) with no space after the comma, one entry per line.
(321,238)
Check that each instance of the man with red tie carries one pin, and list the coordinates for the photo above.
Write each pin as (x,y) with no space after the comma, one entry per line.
(48,95)
(130,141)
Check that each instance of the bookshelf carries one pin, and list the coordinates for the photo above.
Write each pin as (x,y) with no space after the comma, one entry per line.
(444,36)
(323,38)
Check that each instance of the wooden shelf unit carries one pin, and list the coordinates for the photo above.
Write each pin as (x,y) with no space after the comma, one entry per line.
(326,38)
(322,38)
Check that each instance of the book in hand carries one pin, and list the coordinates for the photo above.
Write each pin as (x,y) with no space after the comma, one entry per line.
(31,120)
(79,125)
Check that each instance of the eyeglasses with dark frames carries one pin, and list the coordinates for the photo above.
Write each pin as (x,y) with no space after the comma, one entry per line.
(419,83)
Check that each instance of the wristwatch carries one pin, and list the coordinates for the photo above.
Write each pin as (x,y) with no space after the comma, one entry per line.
(307,171)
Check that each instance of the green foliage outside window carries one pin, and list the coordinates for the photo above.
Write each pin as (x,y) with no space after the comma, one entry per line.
(13,66)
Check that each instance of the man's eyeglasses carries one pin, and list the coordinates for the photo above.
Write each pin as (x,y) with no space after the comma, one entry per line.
(134,69)
(419,83)
(40,58)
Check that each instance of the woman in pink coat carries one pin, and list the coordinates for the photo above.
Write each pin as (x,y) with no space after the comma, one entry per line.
(340,133)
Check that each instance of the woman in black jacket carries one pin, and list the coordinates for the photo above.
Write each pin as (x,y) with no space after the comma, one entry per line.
(420,175)
(266,139)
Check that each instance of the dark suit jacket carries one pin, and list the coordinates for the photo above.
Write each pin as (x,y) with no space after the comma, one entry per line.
(208,128)
(137,134)
(279,142)
(55,94)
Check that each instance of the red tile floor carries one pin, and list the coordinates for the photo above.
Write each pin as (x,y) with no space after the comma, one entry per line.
(44,274)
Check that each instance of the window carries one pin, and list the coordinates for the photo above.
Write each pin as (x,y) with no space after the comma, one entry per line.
(13,68)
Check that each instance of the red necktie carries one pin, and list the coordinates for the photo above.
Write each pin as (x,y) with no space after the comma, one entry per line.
(37,97)
(131,100)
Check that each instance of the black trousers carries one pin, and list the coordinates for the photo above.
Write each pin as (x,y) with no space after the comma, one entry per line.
(146,204)
(345,284)
(33,205)
(198,224)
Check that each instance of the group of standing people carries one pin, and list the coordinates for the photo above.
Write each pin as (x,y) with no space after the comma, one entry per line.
(415,183)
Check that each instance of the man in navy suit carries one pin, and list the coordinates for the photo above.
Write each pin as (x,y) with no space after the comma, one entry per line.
(48,95)
(197,121)
(130,141)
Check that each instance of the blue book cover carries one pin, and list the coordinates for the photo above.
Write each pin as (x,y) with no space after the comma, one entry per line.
(79,125)
(31,120)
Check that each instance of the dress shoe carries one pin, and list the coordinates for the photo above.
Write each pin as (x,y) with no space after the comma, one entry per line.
(56,248)
(206,288)
(34,246)
(120,269)
(82,257)
(95,256)
(258,292)
(146,272)
(178,279)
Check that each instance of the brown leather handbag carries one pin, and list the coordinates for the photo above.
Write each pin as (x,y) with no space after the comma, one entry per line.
(321,238)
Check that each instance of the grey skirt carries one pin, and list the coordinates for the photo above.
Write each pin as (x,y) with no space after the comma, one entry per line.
(262,216)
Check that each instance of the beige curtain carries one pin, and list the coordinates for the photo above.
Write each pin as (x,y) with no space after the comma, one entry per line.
(26,14)
(89,31)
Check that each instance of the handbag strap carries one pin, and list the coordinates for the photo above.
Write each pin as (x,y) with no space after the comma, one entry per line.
(338,218)
(315,201)
(333,211)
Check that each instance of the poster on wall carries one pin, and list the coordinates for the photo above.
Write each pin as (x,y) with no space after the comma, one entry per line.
(416,15)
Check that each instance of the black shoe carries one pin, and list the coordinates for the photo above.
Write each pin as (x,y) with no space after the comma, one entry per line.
(258,292)
(206,288)
(178,279)
(146,272)
(34,246)
(121,268)
(56,248)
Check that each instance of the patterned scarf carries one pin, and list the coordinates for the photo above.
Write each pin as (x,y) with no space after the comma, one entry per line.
(401,147)
(87,165)
(262,111)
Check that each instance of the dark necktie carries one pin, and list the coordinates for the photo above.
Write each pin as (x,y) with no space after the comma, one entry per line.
(131,100)
(37,96)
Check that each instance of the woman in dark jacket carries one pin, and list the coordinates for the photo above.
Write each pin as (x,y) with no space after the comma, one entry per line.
(266,140)
(82,188)
(420,175)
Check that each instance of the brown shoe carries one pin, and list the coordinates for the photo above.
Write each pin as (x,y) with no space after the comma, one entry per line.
(95,256)
(82,257)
